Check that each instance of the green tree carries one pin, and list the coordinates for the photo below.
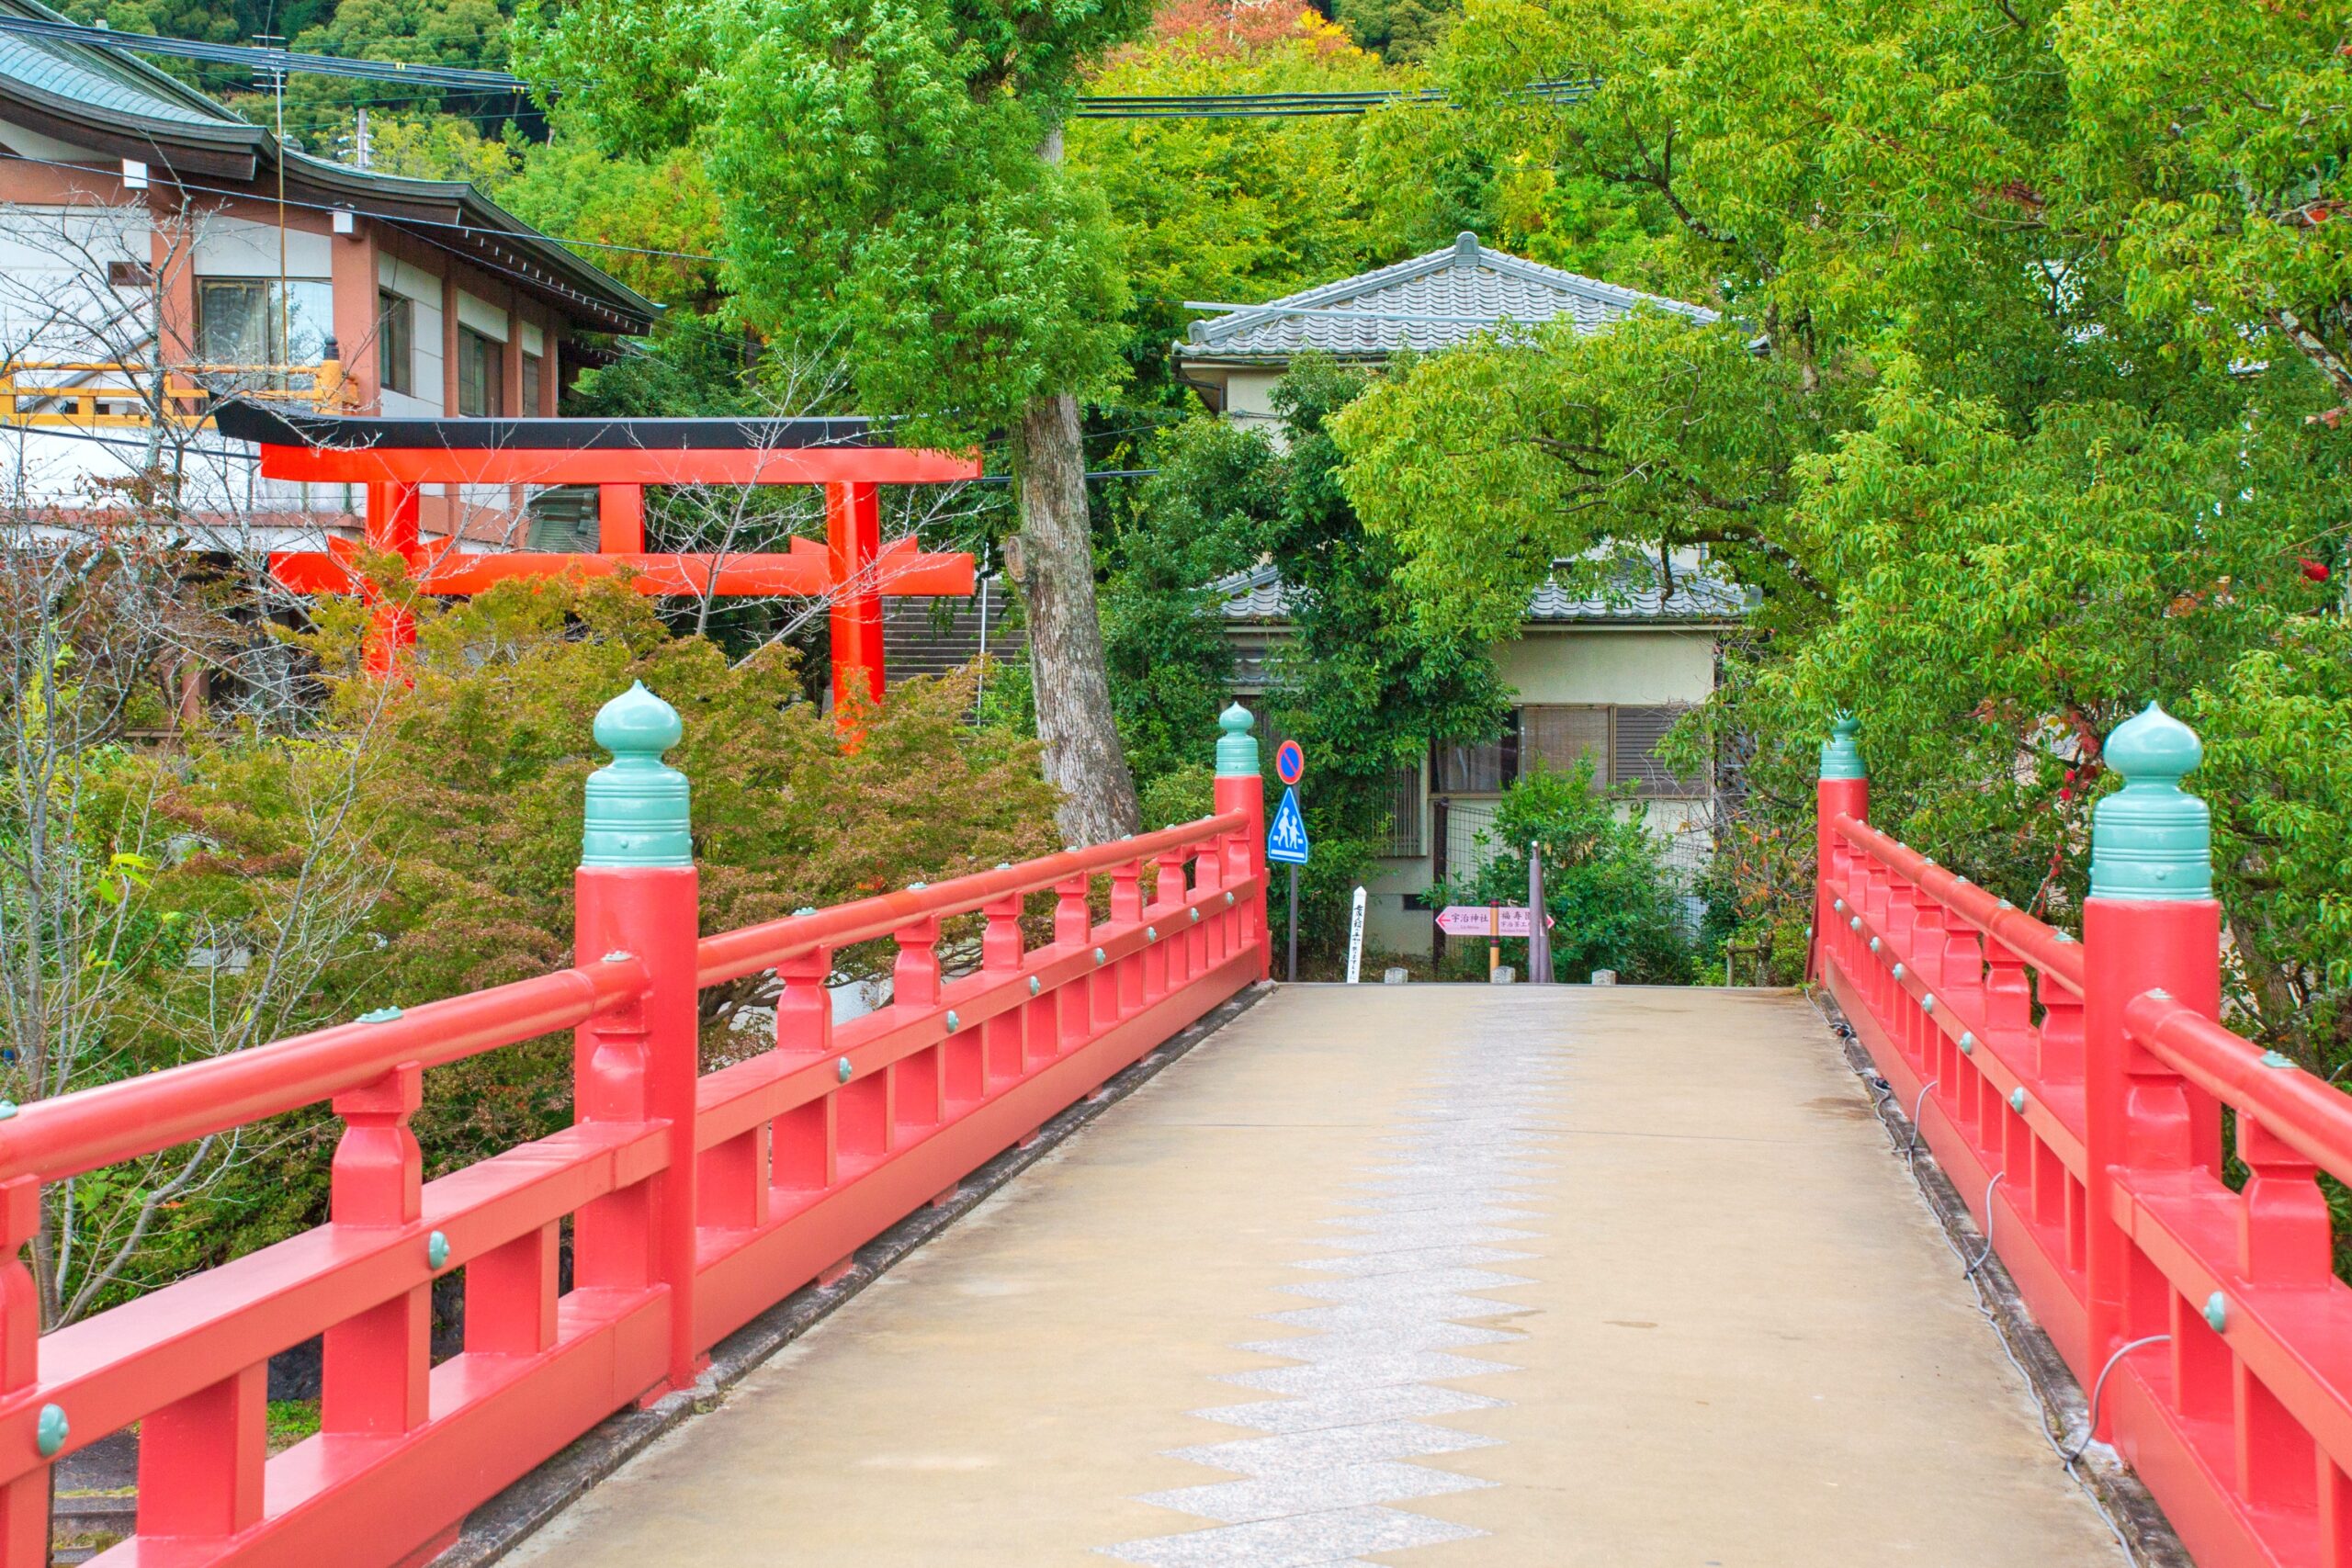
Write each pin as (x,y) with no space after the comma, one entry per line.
(1246,209)
(1362,681)
(2047,312)
(892,189)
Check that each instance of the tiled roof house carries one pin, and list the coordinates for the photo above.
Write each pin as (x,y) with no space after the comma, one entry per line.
(1600,675)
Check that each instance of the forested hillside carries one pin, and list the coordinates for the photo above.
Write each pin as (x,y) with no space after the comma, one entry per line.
(2026,408)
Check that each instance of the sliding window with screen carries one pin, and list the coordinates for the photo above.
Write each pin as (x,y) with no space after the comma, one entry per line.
(1620,742)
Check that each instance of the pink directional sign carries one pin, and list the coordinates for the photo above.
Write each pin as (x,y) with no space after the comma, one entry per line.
(1488,920)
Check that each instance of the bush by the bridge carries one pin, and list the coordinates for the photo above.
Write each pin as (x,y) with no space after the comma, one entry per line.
(417,839)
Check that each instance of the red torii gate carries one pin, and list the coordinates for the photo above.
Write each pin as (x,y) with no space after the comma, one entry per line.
(395,458)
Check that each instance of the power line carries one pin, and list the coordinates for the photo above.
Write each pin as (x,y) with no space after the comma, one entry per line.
(1206,106)
(405,222)
(271,60)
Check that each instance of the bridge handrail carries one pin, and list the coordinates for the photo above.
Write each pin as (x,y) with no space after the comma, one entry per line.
(730,955)
(695,1201)
(2039,943)
(2081,1120)
(2308,1114)
(92,1128)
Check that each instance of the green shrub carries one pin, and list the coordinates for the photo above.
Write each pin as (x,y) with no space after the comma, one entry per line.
(1617,904)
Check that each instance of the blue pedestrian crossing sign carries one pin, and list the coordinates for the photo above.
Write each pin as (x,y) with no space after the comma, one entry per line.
(1286,840)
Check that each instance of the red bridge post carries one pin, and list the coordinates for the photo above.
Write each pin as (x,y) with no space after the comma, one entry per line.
(2150,924)
(1844,791)
(638,902)
(1241,786)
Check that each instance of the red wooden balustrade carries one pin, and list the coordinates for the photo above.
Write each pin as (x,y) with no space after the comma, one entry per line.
(697,1200)
(2072,1090)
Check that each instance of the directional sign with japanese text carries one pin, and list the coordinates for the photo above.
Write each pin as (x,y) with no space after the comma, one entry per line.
(1488,920)
(1286,838)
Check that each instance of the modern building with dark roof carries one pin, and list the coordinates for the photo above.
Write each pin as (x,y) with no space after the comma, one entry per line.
(1600,674)
(157,251)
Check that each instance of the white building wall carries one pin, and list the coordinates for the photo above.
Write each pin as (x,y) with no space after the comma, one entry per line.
(1569,664)
(423,290)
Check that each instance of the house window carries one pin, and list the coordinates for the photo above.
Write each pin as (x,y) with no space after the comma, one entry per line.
(1405,841)
(130,274)
(1633,755)
(251,324)
(1621,743)
(534,367)
(1559,737)
(396,342)
(1488,767)
(480,363)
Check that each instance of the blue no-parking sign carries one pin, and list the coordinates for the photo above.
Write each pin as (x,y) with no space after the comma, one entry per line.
(1286,839)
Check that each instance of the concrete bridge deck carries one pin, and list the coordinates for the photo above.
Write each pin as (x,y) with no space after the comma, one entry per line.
(1447,1277)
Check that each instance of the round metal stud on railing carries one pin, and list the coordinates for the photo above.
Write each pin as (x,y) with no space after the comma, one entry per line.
(380,1015)
(1855,924)
(1967,1042)
(954,1023)
(806,909)
(1898,971)
(1033,986)
(2017,1100)
(1228,901)
(917,886)
(2062,936)
(51,1431)
(1151,933)
(7,1109)
(1101,956)
(1808,933)
(840,1070)
(619,955)
(1838,905)
(1196,917)
(1927,1003)
(436,1250)
(1873,944)
(2278,1060)
(1005,866)
(2217,1313)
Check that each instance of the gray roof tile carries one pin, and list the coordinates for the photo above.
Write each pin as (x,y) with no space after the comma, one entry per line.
(1439,301)
(1260,595)
(91,77)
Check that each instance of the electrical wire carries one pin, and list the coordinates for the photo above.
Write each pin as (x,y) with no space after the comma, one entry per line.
(112,172)
(467,79)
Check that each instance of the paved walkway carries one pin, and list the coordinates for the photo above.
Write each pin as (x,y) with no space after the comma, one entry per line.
(1446,1277)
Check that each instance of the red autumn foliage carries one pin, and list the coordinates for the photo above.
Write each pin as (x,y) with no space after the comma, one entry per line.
(1222,30)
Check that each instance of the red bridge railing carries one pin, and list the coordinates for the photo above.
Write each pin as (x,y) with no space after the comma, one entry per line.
(696,1201)
(2073,1091)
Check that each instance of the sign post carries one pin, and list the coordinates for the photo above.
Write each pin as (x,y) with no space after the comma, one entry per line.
(1539,937)
(1355,937)
(1286,837)
(1494,922)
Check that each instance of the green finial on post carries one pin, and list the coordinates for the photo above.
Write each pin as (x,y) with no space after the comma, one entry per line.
(1840,757)
(2152,838)
(1237,748)
(638,809)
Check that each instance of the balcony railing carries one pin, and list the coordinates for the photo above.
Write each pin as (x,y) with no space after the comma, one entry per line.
(103,394)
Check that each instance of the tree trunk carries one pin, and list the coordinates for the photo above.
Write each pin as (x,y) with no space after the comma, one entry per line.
(1083,758)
